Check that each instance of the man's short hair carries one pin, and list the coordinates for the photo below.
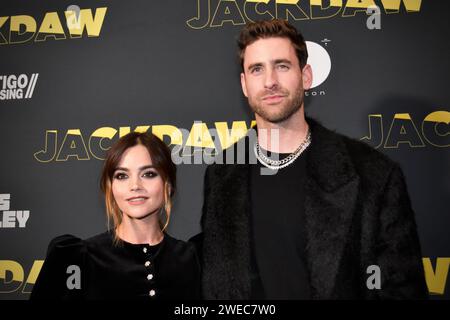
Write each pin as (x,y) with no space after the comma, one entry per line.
(272,29)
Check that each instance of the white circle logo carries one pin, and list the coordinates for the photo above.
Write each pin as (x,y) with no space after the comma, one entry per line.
(320,62)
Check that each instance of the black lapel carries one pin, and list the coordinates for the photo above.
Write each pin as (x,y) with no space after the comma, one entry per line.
(330,198)
(227,275)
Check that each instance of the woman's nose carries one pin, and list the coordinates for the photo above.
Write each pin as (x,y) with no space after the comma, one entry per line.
(135,184)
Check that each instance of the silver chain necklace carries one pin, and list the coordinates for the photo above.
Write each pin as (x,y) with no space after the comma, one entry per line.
(280,164)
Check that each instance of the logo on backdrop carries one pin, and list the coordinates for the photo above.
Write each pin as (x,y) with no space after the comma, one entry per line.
(11,218)
(77,144)
(72,23)
(16,274)
(320,62)
(221,13)
(403,131)
(14,87)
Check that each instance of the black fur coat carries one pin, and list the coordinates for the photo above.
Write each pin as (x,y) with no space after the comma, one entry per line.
(357,212)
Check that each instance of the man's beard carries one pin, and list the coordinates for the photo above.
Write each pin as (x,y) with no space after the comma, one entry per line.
(277,113)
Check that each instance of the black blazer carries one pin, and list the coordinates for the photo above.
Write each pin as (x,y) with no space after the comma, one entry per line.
(357,212)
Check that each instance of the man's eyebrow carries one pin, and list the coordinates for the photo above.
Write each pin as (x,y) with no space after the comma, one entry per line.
(276,61)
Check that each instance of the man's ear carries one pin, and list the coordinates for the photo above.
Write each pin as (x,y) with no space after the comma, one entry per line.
(307,77)
(243,84)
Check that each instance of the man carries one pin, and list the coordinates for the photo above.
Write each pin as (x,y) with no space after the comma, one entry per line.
(333,210)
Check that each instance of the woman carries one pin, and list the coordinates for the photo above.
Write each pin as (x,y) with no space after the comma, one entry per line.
(136,259)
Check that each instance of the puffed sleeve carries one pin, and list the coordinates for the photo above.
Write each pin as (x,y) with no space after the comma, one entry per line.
(64,262)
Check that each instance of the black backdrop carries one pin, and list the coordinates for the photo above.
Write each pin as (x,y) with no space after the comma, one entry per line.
(66,95)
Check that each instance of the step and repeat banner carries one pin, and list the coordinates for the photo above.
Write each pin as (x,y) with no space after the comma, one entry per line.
(77,75)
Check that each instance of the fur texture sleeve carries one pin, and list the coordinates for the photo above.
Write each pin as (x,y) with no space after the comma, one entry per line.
(398,249)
